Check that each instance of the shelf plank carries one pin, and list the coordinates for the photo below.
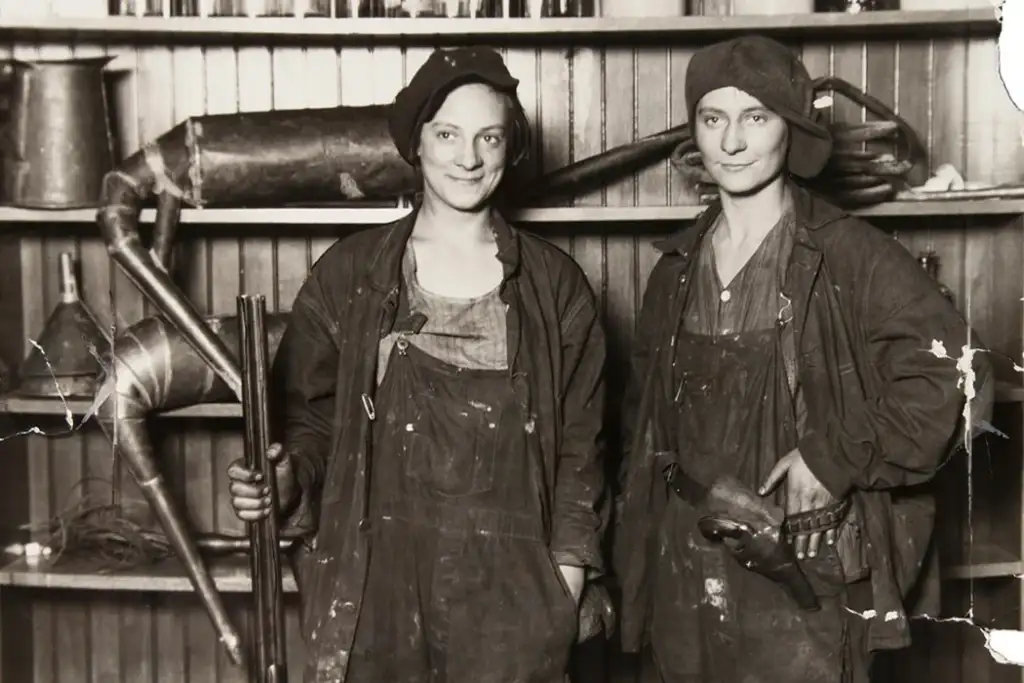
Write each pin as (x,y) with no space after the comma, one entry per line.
(1009,393)
(18,405)
(967,207)
(984,562)
(334,216)
(979,21)
(231,575)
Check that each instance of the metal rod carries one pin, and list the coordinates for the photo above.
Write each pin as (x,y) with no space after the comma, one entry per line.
(264,535)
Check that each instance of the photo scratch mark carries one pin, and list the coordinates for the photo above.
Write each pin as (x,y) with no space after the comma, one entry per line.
(69,418)
(1011,51)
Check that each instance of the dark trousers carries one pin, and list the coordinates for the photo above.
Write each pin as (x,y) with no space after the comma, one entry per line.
(590,661)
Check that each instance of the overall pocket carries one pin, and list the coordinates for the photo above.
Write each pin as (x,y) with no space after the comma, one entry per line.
(452,446)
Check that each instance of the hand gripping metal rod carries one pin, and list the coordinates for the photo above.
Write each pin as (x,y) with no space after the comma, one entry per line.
(265,558)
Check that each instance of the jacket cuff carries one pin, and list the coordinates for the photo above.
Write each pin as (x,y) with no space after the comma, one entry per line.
(592,563)
(301,517)
(817,456)
(300,520)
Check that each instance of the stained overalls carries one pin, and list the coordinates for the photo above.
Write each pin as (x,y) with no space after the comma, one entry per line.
(729,407)
(462,587)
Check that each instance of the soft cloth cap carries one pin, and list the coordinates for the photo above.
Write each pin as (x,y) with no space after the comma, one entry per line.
(771,72)
(443,71)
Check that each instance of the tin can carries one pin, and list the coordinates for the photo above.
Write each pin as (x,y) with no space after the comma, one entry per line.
(856,6)
(360,8)
(312,8)
(533,9)
(652,8)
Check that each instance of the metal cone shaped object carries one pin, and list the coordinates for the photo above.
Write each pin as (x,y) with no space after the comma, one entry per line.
(65,360)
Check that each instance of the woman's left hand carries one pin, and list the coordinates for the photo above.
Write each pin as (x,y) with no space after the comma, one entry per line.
(804,493)
(574,579)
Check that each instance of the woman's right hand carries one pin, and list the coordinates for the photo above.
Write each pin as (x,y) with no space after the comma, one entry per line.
(250,495)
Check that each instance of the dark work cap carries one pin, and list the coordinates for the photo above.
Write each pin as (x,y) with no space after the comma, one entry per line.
(771,72)
(444,70)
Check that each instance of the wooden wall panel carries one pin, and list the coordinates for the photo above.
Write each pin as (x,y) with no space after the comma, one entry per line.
(581,100)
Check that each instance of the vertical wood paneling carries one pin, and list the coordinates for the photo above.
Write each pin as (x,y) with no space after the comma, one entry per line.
(552,123)
(981,93)
(16,611)
(848,63)
(991,253)
(33,269)
(522,64)
(224,268)
(580,101)
(679,59)
(946,144)
(953,653)
(192,645)
(103,636)
(171,657)
(65,463)
(924,660)
(637,78)
(659,104)
(588,82)
(288,72)
(323,89)
(912,67)
(591,116)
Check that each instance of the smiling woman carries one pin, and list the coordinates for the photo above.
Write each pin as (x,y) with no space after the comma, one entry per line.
(444,382)
(463,149)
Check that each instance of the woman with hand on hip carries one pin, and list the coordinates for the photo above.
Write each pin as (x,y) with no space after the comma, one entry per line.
(782,356)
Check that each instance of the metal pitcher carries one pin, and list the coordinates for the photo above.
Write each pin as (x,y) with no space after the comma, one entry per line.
(56,142)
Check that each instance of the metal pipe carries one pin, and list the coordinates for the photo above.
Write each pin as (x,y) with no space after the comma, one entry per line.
(265,559)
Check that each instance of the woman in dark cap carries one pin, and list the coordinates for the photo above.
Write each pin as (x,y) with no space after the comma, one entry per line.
(776,513)
(443,377)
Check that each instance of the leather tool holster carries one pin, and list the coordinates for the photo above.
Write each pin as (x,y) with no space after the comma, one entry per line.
(749,526)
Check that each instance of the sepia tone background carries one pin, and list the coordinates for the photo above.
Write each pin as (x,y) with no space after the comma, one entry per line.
(582,99)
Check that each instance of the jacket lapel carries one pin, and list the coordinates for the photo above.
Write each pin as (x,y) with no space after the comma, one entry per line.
(804,266)
(805,262)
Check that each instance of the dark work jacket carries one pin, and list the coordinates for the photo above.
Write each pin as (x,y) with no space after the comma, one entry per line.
(327,364)
(884,411)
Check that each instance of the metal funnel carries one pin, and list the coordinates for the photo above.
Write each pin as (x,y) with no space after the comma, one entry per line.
(65,359)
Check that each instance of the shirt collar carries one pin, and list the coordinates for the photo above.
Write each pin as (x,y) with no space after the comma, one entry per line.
(384,270)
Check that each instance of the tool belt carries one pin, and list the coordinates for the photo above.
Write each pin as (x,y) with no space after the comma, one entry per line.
(755,532)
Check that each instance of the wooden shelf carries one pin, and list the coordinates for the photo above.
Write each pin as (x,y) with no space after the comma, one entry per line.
(231,575)
(984,562)
(867,25)
(968,207)
(334,216)
(17,405)
(1009,393)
